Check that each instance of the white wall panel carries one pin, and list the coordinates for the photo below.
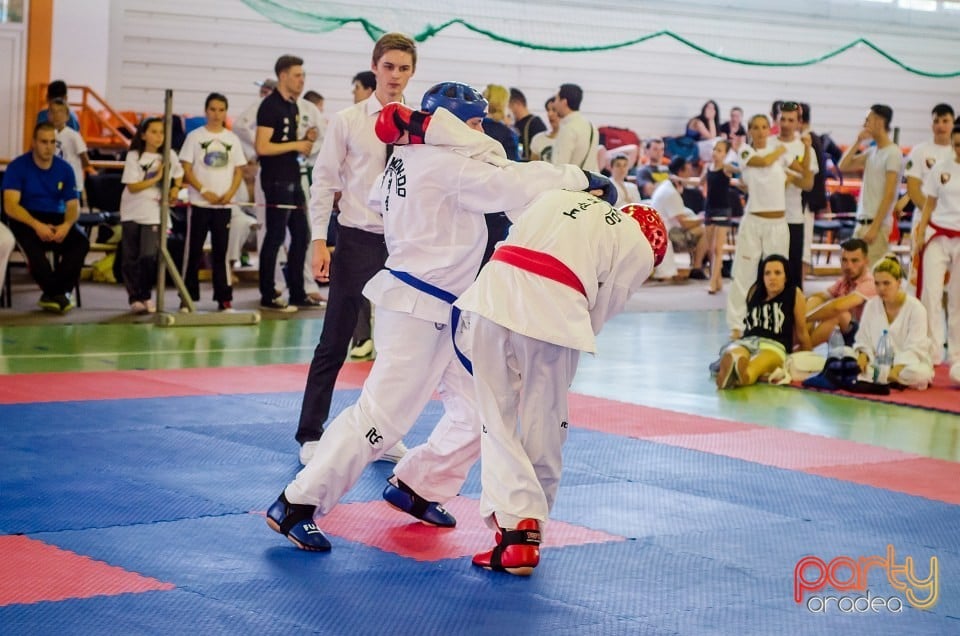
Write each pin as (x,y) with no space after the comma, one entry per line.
(653,87)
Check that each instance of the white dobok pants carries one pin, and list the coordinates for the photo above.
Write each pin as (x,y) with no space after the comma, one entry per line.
(757,238)
(414,358)
(521,387)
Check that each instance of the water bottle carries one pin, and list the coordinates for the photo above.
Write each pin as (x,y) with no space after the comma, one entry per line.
(837,344)
(884,359)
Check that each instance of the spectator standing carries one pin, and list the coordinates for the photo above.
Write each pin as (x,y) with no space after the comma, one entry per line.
(541,146)
(924,155)
(213,163)
(881,164)
(527,124)
(937,246)
(577,138)
(278,148)
(799,154)
(70,145)
(716,181)
(140,211)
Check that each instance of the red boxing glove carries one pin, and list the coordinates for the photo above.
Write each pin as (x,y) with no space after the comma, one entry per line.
(396,118)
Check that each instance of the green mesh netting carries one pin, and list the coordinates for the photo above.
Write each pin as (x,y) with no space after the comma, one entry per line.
(315,17)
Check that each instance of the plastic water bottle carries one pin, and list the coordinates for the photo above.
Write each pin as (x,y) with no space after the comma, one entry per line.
(837,344)
(884,359)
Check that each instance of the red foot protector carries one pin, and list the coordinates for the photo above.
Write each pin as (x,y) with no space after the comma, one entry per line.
(378,525)
(34,571)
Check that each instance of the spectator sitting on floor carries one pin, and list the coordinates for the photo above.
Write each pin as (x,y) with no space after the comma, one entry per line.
(904,319)
(40,197)
(841,305)
(685,228)
(773,326)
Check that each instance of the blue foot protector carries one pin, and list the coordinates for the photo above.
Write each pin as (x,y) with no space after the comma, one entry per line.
(403,498)
(295,522)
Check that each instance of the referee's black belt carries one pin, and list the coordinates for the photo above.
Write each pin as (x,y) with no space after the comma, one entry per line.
(864,221)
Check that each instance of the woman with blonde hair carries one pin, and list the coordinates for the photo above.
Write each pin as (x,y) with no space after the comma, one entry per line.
(493,124)
(904,319)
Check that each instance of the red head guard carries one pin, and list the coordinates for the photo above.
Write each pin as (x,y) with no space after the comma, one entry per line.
(652,227)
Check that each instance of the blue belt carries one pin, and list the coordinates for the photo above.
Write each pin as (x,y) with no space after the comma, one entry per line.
(441,294)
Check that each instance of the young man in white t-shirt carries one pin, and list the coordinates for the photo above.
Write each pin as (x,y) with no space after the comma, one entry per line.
(213,162)
(881,164)
(937,244)
(685,228)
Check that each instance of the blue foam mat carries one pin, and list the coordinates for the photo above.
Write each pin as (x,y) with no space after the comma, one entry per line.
(166,494)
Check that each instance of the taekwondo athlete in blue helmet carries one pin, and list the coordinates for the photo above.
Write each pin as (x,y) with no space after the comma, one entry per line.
(433,199)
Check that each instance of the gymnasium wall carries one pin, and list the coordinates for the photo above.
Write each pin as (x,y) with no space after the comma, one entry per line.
(653,87)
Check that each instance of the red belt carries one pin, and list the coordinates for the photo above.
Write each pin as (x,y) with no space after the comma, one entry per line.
(937,231)
(538,263)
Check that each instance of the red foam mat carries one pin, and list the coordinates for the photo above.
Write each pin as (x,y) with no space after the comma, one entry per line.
(34,571)
(942,395)
(922,476)
(113,385)
(375,524)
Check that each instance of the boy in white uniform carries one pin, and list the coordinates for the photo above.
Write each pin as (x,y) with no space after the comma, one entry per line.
(435,236)
(575,261)
(938,252)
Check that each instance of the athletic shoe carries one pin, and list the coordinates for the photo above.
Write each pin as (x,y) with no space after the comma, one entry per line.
(307,450)
(295,522)
(517,551)
(697,274)
(48,303)
(362,350)
(151,308)
(732,370)
(137,307)
(309,303)
(64,303)
(395,454)
(278,304)
(225,306)
(403,498)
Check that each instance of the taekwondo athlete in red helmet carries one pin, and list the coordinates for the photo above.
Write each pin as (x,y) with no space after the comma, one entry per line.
(432,200)
(574,261)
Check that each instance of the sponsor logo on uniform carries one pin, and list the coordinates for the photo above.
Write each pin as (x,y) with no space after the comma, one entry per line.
(931,161)
(373,436)
(944,177)
(909,164)
(744,154)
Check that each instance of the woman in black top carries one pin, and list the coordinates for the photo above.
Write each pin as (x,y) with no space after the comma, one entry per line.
(775,322)
(716,175)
